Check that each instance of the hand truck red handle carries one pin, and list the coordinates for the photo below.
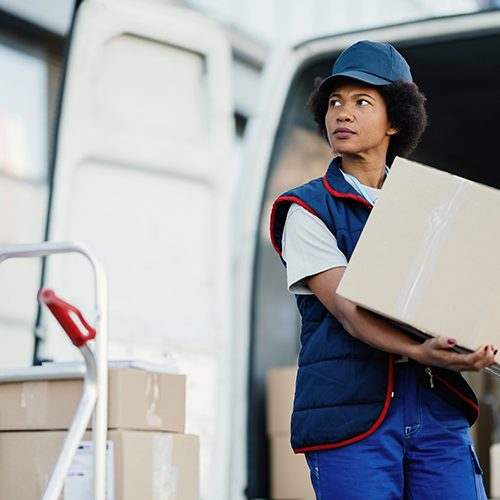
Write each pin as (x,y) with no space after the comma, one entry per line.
(68,316)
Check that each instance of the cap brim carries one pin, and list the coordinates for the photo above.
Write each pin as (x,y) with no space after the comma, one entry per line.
(327,83)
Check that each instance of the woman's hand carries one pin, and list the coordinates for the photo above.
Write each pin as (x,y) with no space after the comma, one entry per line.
(437,352)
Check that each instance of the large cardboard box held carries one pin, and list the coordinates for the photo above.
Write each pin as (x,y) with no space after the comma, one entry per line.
(289,472)
(495,471)
(140,465)
(279,399)
(428,256)
(138,399)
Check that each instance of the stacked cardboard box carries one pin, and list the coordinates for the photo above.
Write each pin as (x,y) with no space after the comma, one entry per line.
(148,455)
(495,471)
(289,472)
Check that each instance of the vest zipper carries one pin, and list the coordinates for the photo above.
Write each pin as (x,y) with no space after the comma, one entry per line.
(431,377)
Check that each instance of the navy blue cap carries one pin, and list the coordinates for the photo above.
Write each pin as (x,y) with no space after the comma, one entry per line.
(374,63)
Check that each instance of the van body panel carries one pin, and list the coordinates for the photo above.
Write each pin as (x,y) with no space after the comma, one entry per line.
(142,176)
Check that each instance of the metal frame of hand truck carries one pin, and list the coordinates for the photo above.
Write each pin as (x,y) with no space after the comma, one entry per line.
(94,372)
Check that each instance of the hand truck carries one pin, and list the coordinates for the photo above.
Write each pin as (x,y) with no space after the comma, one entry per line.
(95,372)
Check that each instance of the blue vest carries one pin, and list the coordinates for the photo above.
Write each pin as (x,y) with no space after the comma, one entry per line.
(344,386)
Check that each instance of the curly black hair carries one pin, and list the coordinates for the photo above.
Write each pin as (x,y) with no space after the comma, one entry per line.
(405,110)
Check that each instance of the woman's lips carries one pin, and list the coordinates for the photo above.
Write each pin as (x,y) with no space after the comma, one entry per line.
(343,133)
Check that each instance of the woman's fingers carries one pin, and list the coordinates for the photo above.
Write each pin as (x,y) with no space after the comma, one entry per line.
(484,356)
(475,361)
(441,342)
(438,353)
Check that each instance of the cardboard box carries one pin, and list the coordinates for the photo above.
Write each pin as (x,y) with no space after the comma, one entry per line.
(142,465)
(279,399)
(495,471)
(428,256)
(289,472)
(138,399)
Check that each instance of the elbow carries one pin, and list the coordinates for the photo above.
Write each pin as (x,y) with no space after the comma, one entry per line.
(346,313)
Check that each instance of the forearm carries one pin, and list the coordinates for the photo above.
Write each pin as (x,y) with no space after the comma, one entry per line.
(360,323)
(379,333)
(376,331)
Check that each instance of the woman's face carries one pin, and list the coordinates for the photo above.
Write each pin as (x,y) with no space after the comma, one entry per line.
(356,120)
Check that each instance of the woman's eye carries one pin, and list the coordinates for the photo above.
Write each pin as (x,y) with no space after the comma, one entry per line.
(363,102)
(334,103)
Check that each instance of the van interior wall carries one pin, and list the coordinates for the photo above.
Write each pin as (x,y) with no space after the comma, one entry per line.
(461,80)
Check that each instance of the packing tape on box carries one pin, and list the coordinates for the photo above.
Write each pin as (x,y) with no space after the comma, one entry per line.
(34,401)
(436,232)
(165,475)
(153,417)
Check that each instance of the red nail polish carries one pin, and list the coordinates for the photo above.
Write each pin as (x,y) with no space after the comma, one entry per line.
(486,348)
(451,341)
(495,353)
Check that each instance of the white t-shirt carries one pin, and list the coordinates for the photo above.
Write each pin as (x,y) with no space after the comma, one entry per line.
(308,246)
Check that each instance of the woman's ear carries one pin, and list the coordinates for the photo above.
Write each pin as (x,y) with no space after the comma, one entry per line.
(392,130)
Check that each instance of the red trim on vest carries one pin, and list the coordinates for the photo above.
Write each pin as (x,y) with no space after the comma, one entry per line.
(291,199)
(459,394)
(372,429)
(339,194)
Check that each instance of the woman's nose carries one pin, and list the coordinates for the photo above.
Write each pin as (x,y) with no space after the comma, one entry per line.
(345,114)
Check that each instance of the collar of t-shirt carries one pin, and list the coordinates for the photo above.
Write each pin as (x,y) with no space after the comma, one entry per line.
(372,192)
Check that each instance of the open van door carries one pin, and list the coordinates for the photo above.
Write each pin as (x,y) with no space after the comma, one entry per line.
(141,175)
(451,60)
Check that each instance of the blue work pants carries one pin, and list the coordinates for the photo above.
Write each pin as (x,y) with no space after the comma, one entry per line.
(421,451)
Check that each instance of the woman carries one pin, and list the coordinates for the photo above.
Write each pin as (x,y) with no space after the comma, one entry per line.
(378,414)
